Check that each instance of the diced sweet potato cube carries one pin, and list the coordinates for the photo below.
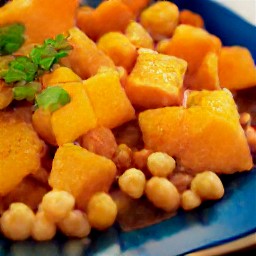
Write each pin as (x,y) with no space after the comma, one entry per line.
(59,76)
(41,120)
(118,47)
(192,44)
(207,76)
(162,45)
(85,20)
(236,68)
(109,101)
(109,16)
(216,139)
(28,192)
(100,141)
(81,173)
(85,58)
(42,19)
(162,129)
(190,18)
(138,36)
(204,136)
(136,6)
(160,19)
(6,95)
(20,151)
(75,118)
(156,80)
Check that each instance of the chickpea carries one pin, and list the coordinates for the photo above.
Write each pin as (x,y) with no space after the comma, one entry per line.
(132,182)
(190,200)
(75,224)
(43,229)
(245,119)
(57,205)
(163,194)
(122,157)
(101,211)
(17,222)
(160,164)
(251,138)
(160,19)
(208,186)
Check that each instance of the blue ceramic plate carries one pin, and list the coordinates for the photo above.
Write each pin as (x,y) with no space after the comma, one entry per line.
(212,224)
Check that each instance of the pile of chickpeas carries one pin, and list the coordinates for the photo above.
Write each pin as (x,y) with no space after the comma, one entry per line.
(57,209)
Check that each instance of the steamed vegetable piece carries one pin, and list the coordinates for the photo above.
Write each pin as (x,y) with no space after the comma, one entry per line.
(109,16)
(11,38)
(114,109)
(236,68)
(193,134)
(192,44)
(90,173)
(118,47)
(42,19)
(156,80)
(75,118)
(78,59)
(20,152)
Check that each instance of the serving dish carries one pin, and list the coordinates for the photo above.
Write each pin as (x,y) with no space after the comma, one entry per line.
(212,224)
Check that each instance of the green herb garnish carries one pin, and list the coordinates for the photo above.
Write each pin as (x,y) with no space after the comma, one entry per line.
(52,98)
(40,59)
(26,92)
(11,38)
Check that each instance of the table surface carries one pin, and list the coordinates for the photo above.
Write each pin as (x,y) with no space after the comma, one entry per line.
(245,8)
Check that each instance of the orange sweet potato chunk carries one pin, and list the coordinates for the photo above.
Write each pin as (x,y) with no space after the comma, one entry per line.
(112,15)
(118,47)
(204,136)
(138,36)
(192,44)
(75,118)
(156,80)
(136,6)
(207,76)
(160,19)
(85,20)
(41,121)
(85,59)
(42,19)
(216,139)
(20,151)
(190,18)
(236,68)
(109,101)
(81,173)
(162,129)
(59,76)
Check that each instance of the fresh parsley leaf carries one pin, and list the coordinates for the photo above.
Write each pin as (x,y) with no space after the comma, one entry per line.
(50,52)
(26,92)
(52,98)
(21,69)
(11,38)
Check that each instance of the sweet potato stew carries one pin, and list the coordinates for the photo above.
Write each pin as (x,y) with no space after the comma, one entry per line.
(123,113)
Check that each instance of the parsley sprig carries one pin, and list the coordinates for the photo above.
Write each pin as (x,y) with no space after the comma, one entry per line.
(40,59)
(11,38)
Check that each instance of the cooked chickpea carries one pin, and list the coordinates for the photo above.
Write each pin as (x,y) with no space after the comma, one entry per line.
(160,19)
(163,194)
(57,205)
(132,182)
(101,211)
(75,224)
(208,186)
(160,164)
(17,222)
(190,200)
(43,229)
